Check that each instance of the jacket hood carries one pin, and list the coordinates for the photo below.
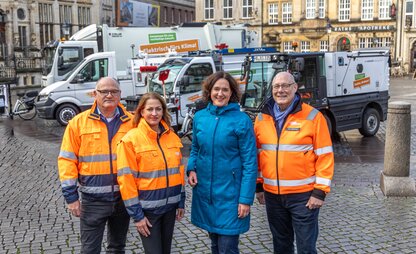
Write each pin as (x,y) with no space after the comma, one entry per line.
(221,110)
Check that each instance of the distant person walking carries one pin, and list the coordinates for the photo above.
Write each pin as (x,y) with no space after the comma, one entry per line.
(296,162)
(222,166)
(87,159)
(151,174)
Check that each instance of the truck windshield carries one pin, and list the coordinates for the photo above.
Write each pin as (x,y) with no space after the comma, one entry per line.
(68,58)
(155,85)
(258,87)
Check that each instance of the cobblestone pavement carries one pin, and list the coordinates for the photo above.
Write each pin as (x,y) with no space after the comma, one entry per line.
(356,217)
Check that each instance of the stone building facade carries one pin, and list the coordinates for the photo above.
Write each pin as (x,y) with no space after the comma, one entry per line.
(406,35)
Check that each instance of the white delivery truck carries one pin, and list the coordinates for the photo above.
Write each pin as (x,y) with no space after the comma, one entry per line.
(184,83)
(351,89)
(62,57)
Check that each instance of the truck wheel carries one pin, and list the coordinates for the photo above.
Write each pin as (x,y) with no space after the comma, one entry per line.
(66,112)
(371,122)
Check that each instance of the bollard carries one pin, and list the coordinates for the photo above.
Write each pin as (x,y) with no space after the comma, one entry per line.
(394,179)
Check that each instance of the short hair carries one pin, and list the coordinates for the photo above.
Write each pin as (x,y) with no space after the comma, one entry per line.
(105,79)
(288,75)
(142,103)
(213,78)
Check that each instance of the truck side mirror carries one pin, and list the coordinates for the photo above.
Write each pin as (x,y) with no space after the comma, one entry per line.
(184,82)
(60,61)
(79,78)
(60,51)
(299,64)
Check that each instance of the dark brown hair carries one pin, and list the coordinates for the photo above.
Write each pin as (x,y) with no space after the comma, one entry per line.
(142,103)
(213,78)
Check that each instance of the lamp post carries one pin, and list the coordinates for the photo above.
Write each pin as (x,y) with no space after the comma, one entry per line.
(328,31)
(65,30)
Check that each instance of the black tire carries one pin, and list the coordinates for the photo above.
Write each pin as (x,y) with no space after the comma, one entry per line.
(370,122)
(66,112)
(25,113)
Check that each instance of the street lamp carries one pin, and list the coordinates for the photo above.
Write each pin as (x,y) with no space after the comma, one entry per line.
(65,30)
(328,31)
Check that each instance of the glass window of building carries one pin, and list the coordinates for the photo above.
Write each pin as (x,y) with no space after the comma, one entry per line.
(409,14)
(286,13)
(344,10)
(384,9)
(310,9)
(305,46)
(287,46)
(228,9)
(247,8)
(273,14)
(367,10)
(209,9)
(84,17)
(321,9)
(45,23)
(323,46)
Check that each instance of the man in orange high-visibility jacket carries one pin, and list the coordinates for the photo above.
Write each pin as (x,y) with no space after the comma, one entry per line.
(87,163)
(296,164)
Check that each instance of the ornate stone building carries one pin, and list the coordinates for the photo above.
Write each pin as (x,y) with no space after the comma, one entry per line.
(406,34)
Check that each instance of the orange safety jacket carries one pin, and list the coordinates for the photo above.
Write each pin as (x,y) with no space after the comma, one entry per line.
(150,171)
(88,156)
(301,159)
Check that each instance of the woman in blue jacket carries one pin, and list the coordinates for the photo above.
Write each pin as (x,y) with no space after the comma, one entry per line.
(222,167)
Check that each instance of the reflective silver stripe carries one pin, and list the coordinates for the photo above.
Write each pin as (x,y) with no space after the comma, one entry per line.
(289,183)
(97,158)
(324,150)
(127,171)
(260,116)
(259,174)
(312,114)
(98,189)
(131,202)
(69,182)
(270,147)
(295,148)
(324,181)
(159,173)
(158,203)
(68,155)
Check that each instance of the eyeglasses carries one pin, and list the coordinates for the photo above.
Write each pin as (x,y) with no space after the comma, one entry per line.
(282,86)
(107,92)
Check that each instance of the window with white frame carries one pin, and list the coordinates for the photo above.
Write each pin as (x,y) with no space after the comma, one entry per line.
(384,9)
(310,9)
(305,46)
(287,46)
(367,9)
(273,13)
(209,9)
(286,13)
(228,9)
(323,46)
(247,8)
(321,8)
(84,16)
(409,12)
(45,23)
(344,10)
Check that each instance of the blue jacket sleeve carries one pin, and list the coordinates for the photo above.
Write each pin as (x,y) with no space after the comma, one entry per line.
(248,156)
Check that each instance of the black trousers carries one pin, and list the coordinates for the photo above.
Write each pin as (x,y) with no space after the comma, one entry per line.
(161,233)
(94,216)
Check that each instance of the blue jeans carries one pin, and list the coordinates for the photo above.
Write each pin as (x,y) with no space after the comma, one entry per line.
(95,215)
(224,244)
(288,216)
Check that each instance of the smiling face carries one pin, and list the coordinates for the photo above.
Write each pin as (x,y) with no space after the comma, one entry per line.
(152,113)
(284,89)
(221,93)
(107,94)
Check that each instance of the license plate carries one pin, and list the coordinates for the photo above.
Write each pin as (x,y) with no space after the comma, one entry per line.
(262,58)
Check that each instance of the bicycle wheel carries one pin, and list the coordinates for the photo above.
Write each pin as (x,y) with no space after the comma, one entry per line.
(25,113)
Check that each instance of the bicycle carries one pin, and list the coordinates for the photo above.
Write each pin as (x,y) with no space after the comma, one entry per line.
(25,106)
(186,129)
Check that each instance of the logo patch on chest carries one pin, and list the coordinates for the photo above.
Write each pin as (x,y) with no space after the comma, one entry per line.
(293,126)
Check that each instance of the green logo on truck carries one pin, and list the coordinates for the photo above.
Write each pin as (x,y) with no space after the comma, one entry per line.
(157,38)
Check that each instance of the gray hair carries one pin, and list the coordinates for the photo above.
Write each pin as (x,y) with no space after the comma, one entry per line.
(106,79)
(286,75)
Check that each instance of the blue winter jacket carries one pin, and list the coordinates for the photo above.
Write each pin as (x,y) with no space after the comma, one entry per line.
(224,157)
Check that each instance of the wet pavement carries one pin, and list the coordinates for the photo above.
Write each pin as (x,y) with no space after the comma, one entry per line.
(356,217)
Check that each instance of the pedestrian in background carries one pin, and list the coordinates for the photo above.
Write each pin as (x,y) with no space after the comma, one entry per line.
(151,174)
(222,166)
(87,159)
(296,161)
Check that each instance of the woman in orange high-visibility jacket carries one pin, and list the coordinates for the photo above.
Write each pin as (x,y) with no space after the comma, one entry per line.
(296,164)
(151,175)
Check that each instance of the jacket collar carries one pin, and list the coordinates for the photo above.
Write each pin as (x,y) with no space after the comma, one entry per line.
(144,126)
(123,116)
(214,110)
(268,106)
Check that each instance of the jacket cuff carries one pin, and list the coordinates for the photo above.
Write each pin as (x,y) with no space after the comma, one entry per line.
(71,199)
(259,187)
(319,194)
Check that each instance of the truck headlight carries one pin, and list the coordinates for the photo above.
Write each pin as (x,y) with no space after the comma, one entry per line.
(44,97)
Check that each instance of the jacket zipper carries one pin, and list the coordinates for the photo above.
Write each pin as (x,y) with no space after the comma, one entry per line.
(212,159)
(277,156)
(166,169)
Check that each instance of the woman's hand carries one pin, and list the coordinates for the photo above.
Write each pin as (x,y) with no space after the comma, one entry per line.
(143,227)
(243,210)
(192,179)
(180,212)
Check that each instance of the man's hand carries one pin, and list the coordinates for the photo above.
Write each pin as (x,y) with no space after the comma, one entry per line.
(243,210)
(75,208)
(314,203)
(192,179)
(143,227)
(180,212)
(260,197)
